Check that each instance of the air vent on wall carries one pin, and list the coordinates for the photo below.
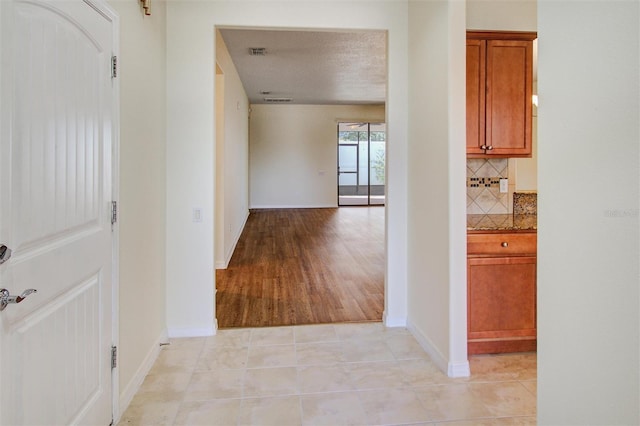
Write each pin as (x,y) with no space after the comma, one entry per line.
(257,51)
(277,100)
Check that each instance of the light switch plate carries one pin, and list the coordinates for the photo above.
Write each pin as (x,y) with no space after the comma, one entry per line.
(504,185)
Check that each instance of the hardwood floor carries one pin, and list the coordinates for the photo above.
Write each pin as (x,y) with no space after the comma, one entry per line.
(305,266)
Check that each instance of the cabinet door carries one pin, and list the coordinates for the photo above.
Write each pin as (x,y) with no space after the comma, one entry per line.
(501,304)
(476,95)
(508,97)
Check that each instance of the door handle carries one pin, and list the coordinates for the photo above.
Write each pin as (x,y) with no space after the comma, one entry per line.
(5,253)
(6,297)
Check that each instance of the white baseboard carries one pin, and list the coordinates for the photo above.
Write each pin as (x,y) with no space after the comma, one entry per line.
(459,369)
(131,388)
(393,322)
(290,206)
(223,264)
(193,331)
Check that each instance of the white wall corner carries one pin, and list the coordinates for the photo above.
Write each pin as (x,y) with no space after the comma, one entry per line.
(227,258)
(176,332)
(389,321)
(459,369)
(436,356)
(131,388)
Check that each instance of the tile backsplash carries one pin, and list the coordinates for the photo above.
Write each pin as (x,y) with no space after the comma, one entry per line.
(483,186)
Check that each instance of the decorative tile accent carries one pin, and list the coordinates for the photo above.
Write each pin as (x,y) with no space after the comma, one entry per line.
(483,186)
(488,182)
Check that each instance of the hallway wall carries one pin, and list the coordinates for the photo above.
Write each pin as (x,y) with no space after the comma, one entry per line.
(190,135)
(436,183)
(231,156)
(589,229)
(142,210)
(293,152)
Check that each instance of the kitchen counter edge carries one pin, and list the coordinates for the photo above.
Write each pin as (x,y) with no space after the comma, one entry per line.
(501,222)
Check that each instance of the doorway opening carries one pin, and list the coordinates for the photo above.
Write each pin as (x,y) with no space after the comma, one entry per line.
(269,271)
(361,164)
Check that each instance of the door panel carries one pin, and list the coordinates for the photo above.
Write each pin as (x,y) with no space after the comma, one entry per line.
(508,96)
(476,66)
(55,195)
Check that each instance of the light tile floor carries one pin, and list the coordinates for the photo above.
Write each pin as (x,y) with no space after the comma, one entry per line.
(337,374)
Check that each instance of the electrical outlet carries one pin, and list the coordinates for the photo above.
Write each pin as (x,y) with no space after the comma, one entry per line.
(197,214)
(504,185)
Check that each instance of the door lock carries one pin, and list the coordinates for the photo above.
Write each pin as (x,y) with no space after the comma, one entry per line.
(6,297)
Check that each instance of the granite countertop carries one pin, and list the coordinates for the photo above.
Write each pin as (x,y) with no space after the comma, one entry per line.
(502,222)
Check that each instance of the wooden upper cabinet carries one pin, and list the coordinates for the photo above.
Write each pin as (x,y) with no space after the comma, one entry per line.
(476,56)
(499,89)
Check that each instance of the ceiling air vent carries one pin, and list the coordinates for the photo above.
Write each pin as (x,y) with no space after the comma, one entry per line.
(257,51)
(277,100)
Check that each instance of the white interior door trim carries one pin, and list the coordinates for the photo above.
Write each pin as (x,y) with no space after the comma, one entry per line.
(102,7)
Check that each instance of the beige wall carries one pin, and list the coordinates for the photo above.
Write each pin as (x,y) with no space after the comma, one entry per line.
(190,173)
(588,218)
(293,155)
(507,15)
(190,136)
(190,168)
(232,156)
(436,171)
(142,190)
(588,238)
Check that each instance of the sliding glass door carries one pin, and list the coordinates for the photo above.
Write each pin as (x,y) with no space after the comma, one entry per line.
(361,163)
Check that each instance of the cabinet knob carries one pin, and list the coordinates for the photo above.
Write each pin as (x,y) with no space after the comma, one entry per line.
(505,244)
(489,148)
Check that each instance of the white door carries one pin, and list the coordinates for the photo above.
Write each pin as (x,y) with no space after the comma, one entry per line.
(56,130)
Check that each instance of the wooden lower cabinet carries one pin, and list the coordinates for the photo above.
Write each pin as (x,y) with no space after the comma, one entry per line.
(501,309)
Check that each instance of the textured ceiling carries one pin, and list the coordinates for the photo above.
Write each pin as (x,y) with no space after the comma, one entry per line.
(311,67)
